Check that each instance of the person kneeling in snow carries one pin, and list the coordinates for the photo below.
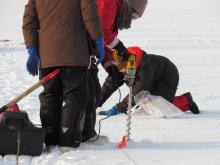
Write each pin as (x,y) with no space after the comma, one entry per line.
(154,73)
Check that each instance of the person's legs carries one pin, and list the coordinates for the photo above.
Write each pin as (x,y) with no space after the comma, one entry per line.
(97,90)
(166,91)
(184,102)
(50,106)
(166,86)
(90,111)
(74,82)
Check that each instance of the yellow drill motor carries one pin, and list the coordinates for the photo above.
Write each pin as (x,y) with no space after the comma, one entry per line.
(130,69)
(127,67)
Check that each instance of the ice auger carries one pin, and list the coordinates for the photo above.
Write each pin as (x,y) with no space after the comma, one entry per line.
(129,77)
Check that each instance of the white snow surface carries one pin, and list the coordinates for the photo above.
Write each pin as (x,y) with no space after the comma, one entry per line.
(185,31)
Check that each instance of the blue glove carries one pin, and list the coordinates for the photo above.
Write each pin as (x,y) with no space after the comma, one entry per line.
(99,44)
(33,60)
(110,112)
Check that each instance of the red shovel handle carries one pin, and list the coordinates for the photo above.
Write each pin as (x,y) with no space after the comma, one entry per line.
(31,89)
(51,75)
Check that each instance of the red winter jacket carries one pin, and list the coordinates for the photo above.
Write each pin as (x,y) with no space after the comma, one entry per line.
(107,12)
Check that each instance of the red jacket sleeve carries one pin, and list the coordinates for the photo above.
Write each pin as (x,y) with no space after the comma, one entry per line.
(108,12)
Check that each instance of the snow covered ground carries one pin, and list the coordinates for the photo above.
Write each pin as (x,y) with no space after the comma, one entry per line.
(185,31)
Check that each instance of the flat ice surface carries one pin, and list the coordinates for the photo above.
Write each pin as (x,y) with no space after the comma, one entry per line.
(185,31)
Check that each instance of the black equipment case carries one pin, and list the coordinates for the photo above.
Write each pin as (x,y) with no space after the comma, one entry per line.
(19,136)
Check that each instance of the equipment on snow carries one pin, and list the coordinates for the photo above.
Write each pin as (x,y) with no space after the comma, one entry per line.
(18,135)
(129,76)
(123,142)
(155,106)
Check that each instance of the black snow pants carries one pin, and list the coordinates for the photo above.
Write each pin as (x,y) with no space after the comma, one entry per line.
(93,98)
(62,105)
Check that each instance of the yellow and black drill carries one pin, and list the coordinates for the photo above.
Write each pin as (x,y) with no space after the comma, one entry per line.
(129,70)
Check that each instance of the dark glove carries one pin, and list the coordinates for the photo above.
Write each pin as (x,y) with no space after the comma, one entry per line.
(122,51)
(110,112)
(115,74)
(99,44)
(33,60)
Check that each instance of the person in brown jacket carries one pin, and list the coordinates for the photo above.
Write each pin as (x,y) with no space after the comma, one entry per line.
(55,34)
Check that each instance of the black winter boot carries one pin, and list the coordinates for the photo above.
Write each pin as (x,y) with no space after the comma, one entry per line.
(88,135)
(192,105)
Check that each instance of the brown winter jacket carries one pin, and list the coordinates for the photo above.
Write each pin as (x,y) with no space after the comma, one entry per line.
(59,28)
